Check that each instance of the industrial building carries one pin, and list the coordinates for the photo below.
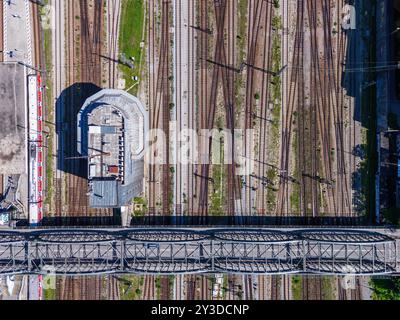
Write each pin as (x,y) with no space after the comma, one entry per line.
(111,134)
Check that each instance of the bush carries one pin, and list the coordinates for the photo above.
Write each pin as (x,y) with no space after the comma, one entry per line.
(386,289)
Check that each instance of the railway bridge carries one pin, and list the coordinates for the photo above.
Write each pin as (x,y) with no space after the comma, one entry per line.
(184,251)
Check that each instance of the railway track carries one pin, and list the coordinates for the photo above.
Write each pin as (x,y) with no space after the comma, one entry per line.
(165,290)
(263,183)
(86,288)
(191,287)
(158,53)
(290,99)
(84,36)
(222,70)
(60,77)
(345,167)
(312,288)
(36,36)
(149,288)
(257,56)
(319,103)
(179,287)
(211,107)
(275,287)
(321,89)
(113,292)
(82,65)
(113,21)
(160,108)
(152,85)
(228,85)
(351,293)
(205,288)
(165,105)
(248,287)
(203,96)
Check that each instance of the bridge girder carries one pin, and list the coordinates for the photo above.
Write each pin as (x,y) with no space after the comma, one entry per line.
(172,251)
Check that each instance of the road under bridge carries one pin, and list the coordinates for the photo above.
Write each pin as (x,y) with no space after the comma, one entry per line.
(185,251)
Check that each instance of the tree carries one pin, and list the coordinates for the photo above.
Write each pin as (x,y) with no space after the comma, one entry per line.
(386,289)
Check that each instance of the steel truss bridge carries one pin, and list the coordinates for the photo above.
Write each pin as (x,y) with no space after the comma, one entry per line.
(184,251)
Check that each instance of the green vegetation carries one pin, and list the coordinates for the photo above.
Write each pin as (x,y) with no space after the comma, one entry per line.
(130,287)
(276,80)
(49,106)
(295,195)
(392,215)
(171,193)
(241,51)
(327,288)
(296,288)
(276,101)
(142,212)
(158,287)
(217,198)
(49,294)
(242,22)
(224,289)
(217,201)
(130,37)
(271,173)
(386,289)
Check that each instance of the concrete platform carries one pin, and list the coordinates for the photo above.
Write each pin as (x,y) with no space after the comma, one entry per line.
(17,31)
(12,119)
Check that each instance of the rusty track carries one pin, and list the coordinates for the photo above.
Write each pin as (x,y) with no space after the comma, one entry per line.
(149,290)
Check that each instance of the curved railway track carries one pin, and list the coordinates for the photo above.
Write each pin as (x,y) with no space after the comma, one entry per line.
(211,106)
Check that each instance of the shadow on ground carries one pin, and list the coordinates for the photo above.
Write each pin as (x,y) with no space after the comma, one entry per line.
(68,105)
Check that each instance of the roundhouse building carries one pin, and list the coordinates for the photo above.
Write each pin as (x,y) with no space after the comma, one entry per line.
(111,133)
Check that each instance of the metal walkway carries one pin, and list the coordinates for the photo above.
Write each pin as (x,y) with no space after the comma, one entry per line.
(183,251)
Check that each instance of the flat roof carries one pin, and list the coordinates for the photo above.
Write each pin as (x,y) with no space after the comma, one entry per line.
(106,142)
(104,194)
(12,118)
